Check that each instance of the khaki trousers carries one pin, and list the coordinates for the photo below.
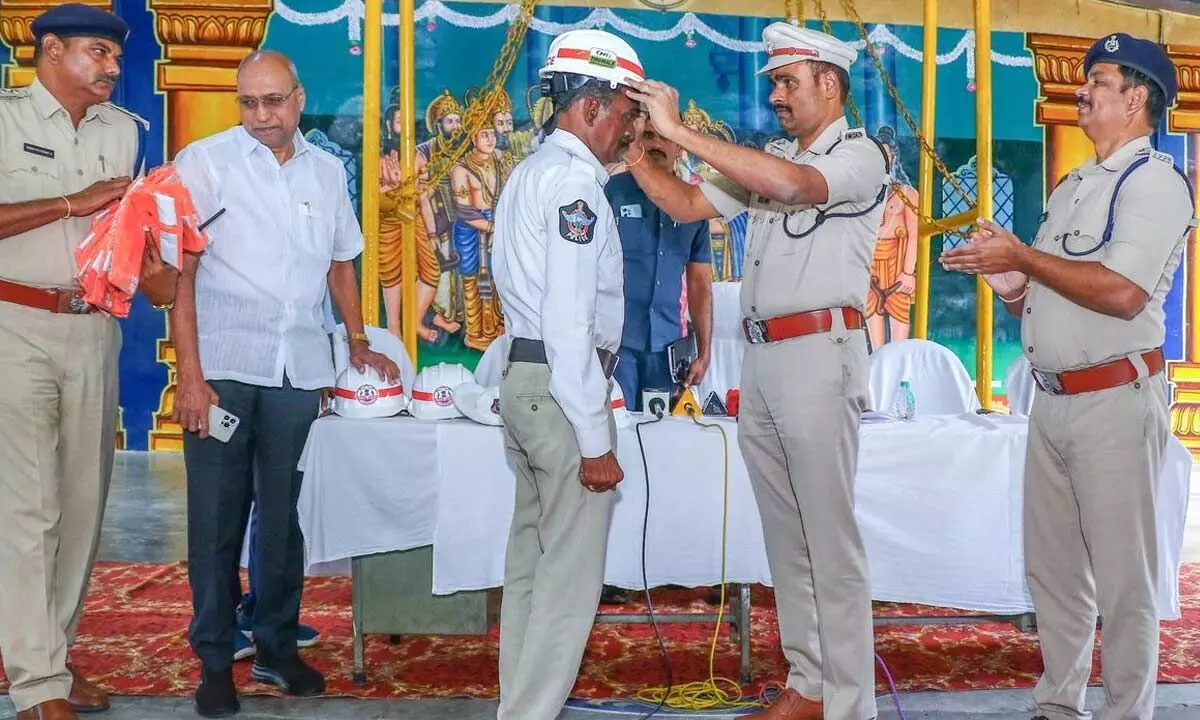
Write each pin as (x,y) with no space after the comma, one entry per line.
(58,412)
(1091,479)
(557,543)
(801,403)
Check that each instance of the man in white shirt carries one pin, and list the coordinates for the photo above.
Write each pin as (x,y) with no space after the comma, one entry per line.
(558,269)
(248,332)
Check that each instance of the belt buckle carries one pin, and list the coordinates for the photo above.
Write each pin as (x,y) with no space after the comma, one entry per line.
(77,305)
(1048,382)
(756,331)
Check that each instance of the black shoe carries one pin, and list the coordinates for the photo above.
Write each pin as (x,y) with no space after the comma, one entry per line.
(289,674)
(217,697)
(612,595)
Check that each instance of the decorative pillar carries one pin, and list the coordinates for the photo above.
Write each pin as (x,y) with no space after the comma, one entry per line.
(16,16)
(202,45)
(1185,374)
(1058,63)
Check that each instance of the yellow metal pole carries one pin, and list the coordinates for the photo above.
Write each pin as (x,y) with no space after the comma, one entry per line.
(925,167)
(408,154)
(372,90)
(983,162)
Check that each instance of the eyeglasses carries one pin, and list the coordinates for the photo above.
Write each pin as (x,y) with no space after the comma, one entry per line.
(271,102)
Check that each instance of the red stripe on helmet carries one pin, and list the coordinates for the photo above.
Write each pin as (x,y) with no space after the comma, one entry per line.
(577,54)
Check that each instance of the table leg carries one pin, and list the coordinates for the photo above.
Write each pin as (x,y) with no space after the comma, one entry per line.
(360,661)
(744,630)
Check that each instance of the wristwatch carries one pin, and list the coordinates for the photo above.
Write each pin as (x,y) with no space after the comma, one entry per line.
(360,336)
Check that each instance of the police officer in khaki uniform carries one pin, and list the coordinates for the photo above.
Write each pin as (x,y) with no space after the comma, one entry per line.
(558,269)
(816,202)
(65,152)
(1089,293)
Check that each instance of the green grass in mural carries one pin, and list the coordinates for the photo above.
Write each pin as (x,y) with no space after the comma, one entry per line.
(453,352)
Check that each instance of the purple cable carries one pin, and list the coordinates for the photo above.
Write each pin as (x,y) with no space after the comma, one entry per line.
(891,685)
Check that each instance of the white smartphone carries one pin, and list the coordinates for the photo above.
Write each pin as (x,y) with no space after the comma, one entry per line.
(221,423)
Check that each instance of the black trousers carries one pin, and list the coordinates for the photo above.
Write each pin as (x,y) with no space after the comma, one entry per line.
(259,461)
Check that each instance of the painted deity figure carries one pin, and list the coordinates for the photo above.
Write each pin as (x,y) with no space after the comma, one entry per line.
(728,239)
(476,181)
(893,268)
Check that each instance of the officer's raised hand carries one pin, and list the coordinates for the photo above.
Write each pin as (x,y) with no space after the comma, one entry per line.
(601,473)
(992,250)
(97,196)
(662,102)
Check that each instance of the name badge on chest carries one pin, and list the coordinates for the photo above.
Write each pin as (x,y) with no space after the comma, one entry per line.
(631,211)
(39,151)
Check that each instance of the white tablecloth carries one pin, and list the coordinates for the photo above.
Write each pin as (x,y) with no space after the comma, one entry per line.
(938,501)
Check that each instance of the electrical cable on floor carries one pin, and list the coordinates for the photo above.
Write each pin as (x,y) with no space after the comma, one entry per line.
(711,693)
(662,645)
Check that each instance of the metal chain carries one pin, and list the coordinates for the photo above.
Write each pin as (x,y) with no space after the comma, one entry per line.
(848,6)
(477,116)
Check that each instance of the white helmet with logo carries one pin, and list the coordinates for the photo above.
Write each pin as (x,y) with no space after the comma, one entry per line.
(596,54)
(365,394)
(479,403)
(620,412)
(433,391)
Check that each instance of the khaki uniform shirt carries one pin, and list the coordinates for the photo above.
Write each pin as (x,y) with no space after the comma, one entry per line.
(829,266)
(1150,226)
(42,155)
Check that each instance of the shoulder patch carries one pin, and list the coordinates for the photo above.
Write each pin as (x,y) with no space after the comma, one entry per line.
(1163,157)
(141,121)
(577,222)
(854,134)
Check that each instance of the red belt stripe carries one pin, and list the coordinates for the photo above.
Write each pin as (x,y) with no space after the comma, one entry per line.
(795,51)
(386,392)
(573,54)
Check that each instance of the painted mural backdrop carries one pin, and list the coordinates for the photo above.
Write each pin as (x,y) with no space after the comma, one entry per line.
(712,59)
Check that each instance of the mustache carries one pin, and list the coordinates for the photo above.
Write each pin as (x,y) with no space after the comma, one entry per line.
(107,77)
(657,154)
(779,107)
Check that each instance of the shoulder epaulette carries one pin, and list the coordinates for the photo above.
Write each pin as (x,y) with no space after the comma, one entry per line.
(14,93)
(854,134)
(1163,157)
(143,122)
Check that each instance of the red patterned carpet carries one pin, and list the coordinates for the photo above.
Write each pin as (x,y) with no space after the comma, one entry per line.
(133,641)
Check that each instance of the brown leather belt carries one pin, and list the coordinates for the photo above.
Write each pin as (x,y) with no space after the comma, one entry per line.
(805,323)
(1097,377)
(69,302)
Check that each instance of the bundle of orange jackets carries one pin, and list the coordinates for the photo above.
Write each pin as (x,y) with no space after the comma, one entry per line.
(158,208)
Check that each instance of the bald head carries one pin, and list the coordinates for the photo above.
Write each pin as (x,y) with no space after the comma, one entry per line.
(271,97)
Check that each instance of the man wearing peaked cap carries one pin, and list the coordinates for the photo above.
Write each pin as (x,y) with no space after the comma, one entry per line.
(72,152)
(1090,293)
(816,203)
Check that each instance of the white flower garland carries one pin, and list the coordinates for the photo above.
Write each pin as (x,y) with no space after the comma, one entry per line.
(689,24)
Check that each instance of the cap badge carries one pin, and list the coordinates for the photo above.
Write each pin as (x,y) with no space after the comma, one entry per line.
(603,58)
(1112,44)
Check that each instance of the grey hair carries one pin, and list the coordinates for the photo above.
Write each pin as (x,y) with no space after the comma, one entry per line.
(265,54)
(602,90)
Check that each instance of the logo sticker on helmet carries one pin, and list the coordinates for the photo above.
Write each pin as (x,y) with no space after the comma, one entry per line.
(367,394)
(443,397)
(603,58)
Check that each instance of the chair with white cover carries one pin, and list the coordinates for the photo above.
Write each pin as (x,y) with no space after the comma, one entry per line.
(1019,385)
(491,364)
(937,378)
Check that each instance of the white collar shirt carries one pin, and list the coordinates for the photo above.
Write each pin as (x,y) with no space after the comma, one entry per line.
(560,276)
(262,283)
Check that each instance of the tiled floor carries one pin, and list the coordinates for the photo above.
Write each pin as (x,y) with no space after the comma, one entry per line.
(145,522)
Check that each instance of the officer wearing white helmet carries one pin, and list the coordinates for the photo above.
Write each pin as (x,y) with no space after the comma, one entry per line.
(558,270)
(815,204)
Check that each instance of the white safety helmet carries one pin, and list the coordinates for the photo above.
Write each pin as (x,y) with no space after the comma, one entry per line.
(479,403)
(620,412)
(593,53)
(365,394)
(433,391)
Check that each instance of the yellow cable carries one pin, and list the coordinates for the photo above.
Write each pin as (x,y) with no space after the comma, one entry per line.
(711,693)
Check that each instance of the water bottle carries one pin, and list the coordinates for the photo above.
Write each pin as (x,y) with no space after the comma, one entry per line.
(905,405)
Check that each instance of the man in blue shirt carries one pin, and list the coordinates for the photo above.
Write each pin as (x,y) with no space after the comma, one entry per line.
(658,252)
